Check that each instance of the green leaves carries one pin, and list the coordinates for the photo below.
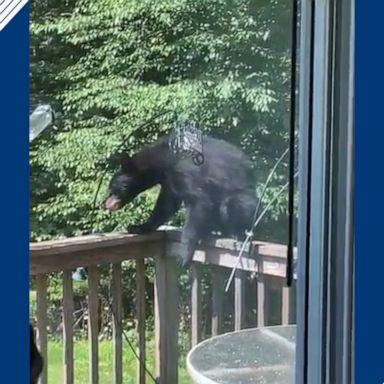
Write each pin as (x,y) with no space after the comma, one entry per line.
(109,65)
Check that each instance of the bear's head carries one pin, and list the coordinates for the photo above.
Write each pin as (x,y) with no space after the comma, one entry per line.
(127,183)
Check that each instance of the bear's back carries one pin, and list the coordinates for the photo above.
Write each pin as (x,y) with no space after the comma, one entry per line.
(225,170)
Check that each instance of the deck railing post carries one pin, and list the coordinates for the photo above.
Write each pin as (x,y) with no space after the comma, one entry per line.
(93,324)
(260,292)
(68,327)
(117,315)
(195,305)
(288,304)
(166,319)
(217,301)
(239,300)
(42,307)
(140,320)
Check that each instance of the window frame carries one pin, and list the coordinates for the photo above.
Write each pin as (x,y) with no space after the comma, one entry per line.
(325,295)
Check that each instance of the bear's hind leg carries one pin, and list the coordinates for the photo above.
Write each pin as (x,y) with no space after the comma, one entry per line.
(195,229)
(240,214)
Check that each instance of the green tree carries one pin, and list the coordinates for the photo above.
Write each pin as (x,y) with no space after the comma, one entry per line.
(110,65)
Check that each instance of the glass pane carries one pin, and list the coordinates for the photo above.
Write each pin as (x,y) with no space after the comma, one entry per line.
(171,145)
(262,356)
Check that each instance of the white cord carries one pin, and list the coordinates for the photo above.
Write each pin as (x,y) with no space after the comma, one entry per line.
(250,233)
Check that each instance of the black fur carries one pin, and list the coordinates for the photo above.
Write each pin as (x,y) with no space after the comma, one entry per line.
(219,195)
(36,361)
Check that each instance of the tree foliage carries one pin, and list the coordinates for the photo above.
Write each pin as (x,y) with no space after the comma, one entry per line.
(108,66)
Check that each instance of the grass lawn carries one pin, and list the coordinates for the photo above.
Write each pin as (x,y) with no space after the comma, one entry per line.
(55,363)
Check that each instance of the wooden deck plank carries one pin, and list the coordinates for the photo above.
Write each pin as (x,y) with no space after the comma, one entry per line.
(140,320)
(166,320)
(239,300)
(196,305)
(41,339)
(93,325)
(68,327)
(217,302)
(117,341)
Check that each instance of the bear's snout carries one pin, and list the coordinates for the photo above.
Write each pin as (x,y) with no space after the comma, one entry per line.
(112,203)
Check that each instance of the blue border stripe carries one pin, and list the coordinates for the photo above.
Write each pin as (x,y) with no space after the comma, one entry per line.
(369,202)
(14,195)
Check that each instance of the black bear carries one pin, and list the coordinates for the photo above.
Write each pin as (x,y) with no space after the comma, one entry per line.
(36,361)
(219,195)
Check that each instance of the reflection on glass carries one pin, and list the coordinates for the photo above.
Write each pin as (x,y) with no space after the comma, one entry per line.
(262,356)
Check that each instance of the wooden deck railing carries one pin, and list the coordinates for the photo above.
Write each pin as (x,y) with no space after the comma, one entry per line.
(266,260)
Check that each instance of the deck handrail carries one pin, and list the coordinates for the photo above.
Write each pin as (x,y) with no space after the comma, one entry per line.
(264,260)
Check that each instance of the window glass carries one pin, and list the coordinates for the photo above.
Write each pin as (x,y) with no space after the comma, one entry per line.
(169,115)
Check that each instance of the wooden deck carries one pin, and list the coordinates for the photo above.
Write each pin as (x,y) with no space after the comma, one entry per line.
(267,261)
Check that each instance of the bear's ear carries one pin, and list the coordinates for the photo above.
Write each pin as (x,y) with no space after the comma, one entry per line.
(128,165)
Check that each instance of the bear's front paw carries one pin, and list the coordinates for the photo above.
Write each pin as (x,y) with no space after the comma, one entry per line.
(139,229)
